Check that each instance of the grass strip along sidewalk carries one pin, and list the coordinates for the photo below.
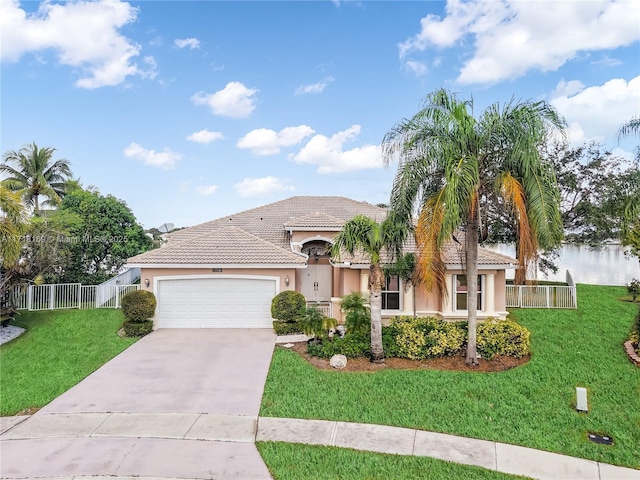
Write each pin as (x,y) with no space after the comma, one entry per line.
(532,405)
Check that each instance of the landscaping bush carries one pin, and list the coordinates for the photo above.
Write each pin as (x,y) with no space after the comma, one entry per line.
(357,313)
(288,306)
(286,328)
(353,345)
(502,337)
(634,288)
(419,338)
(315,324)
(138,305)
(137,329)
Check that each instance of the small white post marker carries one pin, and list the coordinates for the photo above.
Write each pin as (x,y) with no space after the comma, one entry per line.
(581,400)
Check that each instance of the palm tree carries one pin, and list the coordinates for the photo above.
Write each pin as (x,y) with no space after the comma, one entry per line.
(365,235)
(31,172)
(451,165)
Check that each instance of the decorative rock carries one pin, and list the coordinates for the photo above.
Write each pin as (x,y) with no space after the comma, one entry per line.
(338,361)
(288,345)
(9,333)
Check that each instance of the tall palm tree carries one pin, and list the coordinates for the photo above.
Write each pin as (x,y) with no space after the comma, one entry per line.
(364,235)
(451,165)
(31,172)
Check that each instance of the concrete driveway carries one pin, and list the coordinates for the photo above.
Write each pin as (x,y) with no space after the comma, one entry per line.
(217,371)
(199,390)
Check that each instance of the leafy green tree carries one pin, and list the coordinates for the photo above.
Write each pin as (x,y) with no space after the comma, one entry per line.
(365,235)
(46,247)
(105,236)
(12,226)
(453,165)
(32,172)
(594,185)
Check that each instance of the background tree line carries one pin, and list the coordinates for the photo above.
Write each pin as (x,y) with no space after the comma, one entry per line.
(53,230)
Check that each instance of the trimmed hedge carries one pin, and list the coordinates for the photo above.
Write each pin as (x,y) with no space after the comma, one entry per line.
(427,337)
(137,329)
(138,305)
(286,328)
(502,337)
(288,306)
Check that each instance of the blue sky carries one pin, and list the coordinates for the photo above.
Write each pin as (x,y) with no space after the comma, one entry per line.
(189,111)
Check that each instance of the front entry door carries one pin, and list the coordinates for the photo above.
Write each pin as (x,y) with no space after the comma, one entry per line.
(316,282)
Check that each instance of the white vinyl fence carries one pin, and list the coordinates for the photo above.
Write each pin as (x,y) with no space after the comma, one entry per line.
(543,296)
(69,295)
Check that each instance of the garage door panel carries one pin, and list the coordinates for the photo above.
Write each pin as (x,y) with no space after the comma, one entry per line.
(215,302)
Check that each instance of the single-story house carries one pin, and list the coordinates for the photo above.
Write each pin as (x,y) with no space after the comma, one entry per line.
(224,273)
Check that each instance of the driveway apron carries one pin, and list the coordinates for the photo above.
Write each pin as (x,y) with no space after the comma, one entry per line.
(217,372)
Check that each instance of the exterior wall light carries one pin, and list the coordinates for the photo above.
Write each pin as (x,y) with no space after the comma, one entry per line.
(286,280)
(146,282)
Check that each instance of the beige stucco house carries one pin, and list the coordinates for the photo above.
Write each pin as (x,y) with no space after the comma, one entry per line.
(224,273)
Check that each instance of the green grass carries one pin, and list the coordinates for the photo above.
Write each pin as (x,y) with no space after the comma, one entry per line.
(59,349)
(306,462)
(532,405)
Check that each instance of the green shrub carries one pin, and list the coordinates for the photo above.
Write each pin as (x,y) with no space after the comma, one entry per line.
(288,306)
(634,288)
(357,314)
(389,344)
(502,337)
(137,329)
(315,324)
(353,345)
(286,328)
(634,334)
(418,338)
(138,305)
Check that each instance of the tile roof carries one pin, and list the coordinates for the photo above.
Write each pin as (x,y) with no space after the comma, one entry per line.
(260,236)
(228,245)
(314,221)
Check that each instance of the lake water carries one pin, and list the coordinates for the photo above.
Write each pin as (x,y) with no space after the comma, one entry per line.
(606,265)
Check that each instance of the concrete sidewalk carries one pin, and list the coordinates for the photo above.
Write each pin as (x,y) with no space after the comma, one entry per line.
(113,444)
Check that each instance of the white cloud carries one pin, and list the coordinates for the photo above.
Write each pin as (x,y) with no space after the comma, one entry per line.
(328,154)
(567,88)
(418,68)
(165,159)
(597,112)
(251,187)
(234,100)
(205,136)
(315,87)
(206,189)
(264,141)
(84,35)
(192,43)
(513,37)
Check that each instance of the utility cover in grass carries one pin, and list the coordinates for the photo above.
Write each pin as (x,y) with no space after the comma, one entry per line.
(602,439)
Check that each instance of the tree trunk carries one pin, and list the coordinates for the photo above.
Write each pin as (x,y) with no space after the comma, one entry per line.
(472,287)
(376,280)
(521,269)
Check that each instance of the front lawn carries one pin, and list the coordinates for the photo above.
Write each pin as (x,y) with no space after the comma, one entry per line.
(532,405)
(288,461)
(59,349)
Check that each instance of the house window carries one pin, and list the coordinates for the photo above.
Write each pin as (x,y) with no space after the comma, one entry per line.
(460,298)
(391,293)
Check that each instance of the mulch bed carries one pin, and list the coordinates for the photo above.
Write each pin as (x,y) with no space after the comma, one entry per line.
(456,363)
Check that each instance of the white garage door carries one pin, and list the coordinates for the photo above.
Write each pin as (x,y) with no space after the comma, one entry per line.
(215,302)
